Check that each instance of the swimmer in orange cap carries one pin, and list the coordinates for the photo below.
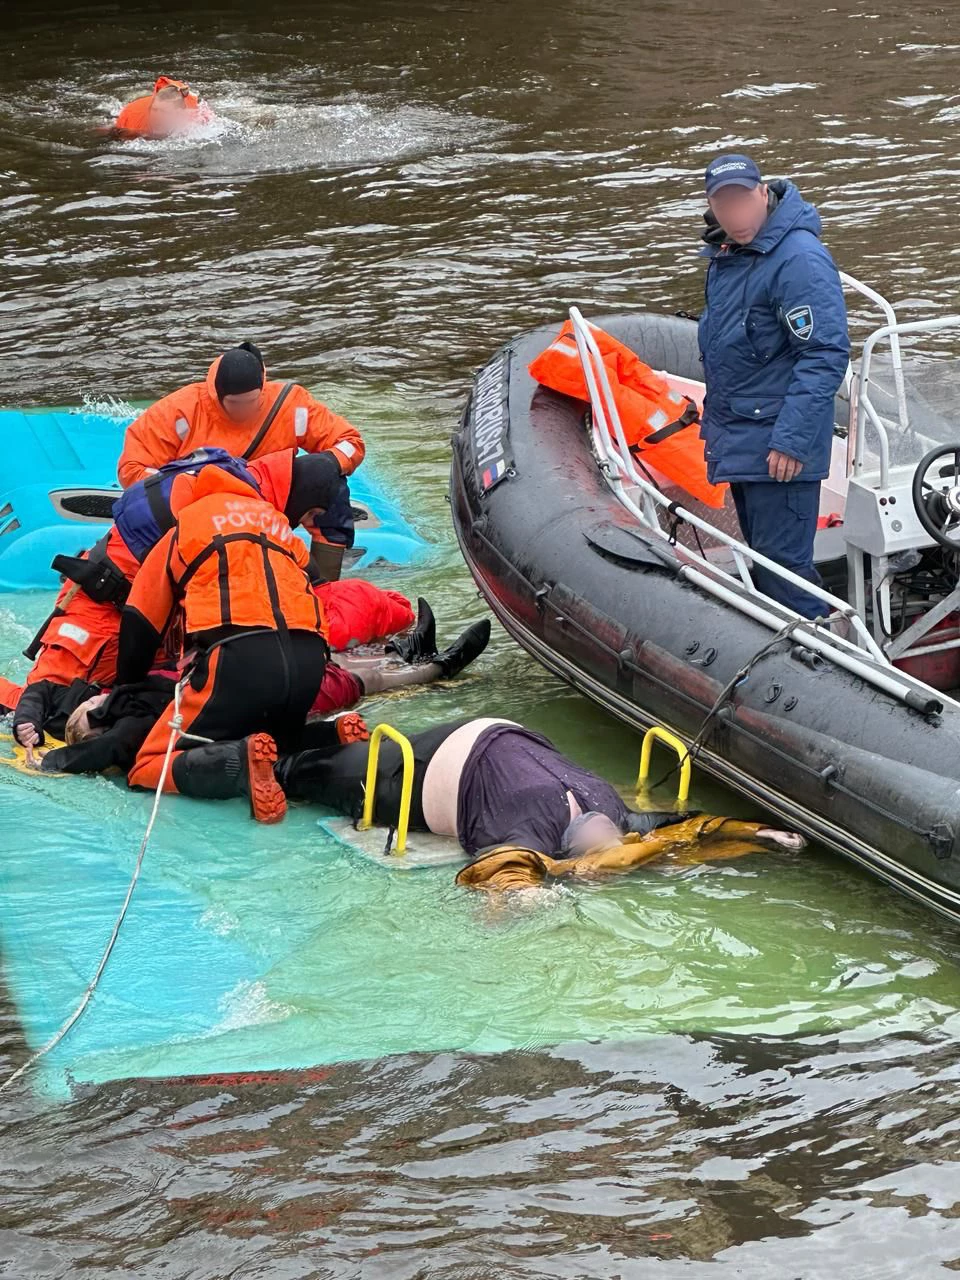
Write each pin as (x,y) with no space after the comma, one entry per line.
(172,108)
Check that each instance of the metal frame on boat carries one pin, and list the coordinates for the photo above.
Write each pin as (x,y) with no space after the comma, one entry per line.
(863,655)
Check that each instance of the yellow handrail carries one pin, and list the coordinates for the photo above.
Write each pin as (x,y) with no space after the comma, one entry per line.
(683,754)
(406,791)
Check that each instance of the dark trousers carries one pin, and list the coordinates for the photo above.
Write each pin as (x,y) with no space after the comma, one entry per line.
(780,521)
(336,778)
(254,682)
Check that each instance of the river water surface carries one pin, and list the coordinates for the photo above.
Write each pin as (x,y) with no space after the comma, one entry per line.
(750,1071)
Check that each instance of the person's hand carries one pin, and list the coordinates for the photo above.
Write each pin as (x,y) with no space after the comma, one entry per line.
(780,466)
(26,734)
(34,760)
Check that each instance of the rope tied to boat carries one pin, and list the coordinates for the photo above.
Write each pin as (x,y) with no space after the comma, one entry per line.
(738,678)
(176,733)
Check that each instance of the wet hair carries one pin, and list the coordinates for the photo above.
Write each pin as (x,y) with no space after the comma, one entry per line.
(71,733)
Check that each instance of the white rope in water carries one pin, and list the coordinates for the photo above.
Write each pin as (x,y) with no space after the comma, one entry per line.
(176,732)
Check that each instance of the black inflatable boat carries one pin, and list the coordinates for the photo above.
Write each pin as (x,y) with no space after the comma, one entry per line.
(654,619)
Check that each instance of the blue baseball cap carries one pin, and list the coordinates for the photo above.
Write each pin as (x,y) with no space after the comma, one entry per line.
(731,171)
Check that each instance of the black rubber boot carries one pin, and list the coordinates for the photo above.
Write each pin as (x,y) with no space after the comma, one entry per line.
(229,770)
(465,649)
(214,772)
(420,644)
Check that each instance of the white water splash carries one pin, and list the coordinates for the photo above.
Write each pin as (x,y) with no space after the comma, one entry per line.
(219,921)
(105,406)
(248,1005)
(770,90)
(252,136)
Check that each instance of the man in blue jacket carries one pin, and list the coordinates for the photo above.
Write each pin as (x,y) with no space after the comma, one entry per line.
(773,338)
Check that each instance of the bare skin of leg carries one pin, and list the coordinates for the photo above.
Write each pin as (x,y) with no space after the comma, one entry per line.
(381,674)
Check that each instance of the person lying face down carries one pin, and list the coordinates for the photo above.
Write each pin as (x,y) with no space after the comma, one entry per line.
(682,840)
(515,803)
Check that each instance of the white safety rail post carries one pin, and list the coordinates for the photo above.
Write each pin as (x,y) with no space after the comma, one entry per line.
(890,317)
(606,415)
(864,406)
(617,464)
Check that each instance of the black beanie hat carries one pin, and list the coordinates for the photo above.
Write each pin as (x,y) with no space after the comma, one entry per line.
(315,482)
(240,370)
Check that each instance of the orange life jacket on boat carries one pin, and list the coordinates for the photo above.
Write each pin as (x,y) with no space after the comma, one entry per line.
(659,422)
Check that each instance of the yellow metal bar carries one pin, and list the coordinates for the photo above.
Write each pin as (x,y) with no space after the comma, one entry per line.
(406,791)
(683,755)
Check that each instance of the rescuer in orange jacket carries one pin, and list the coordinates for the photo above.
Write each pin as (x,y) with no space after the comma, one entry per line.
(77,646)
(235,567)
(659,422)
(172,108)
(236,409)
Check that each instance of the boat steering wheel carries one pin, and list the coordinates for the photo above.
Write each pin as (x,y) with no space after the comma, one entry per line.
(936,495)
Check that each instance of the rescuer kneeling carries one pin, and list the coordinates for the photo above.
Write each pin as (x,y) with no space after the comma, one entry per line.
(253,627)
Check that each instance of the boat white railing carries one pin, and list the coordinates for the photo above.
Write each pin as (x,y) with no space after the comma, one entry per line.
(865,407)
(896,357)
(862,655)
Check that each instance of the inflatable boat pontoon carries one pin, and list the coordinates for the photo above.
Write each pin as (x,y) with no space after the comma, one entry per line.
(59,486)
(642,598)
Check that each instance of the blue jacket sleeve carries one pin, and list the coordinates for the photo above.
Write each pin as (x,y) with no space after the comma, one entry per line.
(809,298)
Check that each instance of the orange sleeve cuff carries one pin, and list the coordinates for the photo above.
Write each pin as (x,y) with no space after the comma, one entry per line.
(348,456)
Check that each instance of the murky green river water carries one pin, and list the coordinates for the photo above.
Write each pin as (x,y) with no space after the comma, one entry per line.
(752,1070)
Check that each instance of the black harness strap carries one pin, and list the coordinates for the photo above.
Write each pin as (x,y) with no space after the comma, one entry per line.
(159,507)
(213,548)
(686,419)
(223,581)
(268,422)
(272,592)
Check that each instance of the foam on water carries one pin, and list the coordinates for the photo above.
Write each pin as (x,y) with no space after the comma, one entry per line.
(252,137)
(104,405)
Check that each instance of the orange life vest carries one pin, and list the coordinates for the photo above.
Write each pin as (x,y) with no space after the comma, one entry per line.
(135,116)
(658,421)
(242,565)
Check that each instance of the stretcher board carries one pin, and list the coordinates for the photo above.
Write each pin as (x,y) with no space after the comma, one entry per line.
(15,757)
(423,849)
